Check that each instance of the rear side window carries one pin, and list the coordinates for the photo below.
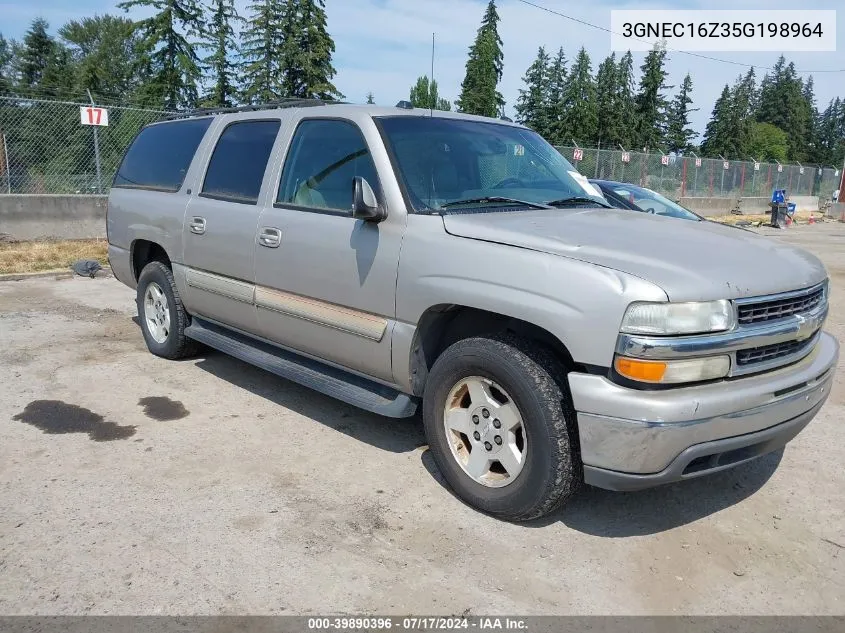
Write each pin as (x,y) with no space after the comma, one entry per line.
(324,157)
(237,165)
(160,155)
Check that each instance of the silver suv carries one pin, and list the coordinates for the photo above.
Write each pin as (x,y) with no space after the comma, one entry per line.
(396,258)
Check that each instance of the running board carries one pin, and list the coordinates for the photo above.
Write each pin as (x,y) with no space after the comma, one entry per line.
(337,383)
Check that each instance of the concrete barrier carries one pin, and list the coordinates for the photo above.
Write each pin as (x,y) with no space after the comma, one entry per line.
(750,205)
(30,217)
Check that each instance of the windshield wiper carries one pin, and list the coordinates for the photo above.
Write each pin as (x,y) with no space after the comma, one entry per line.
(484,199)
(577,200)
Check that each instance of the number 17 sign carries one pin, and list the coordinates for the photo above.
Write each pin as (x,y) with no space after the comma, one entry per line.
(89,115)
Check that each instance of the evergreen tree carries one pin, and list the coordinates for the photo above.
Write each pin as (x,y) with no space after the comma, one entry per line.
(810,118)
(767,142)
(608,115)
(625,101)
(262,52)
(105,49)
(650,102)
(371,98)
(308,50)
(783,105)
(741,114)
(679,135)
(717,140)
(424,94)
(38,52)
(532,106)
(170,57)
(579,120)
(6,72)
(831,133)
(223,46)
(479,90)
(557,83)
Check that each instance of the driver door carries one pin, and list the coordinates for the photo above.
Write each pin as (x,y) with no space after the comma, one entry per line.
(328,288)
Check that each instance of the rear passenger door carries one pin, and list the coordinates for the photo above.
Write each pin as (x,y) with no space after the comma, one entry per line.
(221,221)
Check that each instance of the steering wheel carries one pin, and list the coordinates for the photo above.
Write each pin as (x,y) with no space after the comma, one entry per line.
(509,182)
(650,210)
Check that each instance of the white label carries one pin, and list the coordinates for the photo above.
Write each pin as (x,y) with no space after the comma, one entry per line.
(664,160)
(626,157)
(578,154)
(698,162)
(801,170)
(764,30)
(756,166)
(89,115)
(780,168)
(726,165)
(586,185)
(519,150)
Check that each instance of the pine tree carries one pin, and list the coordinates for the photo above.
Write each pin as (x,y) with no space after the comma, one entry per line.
(810,116)
(6,78)
(425,94)
(651,101)
(741,114)
(172,57)
(679,134)
(479,90)
(308,50)
(38,51)
(557,83)
(717,140)
(608,115)
(625,100)
(532,106)
(371,98)
(262,52)
(783,105)
(223,46)
(579,120)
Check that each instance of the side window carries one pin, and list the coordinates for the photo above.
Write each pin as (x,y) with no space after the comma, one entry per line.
(324,157)
(237,165)
(160,155)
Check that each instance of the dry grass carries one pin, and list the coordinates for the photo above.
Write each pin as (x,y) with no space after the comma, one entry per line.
(800,216)
(30,257)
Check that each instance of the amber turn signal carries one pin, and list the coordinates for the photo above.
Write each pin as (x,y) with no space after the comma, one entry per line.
(642,370)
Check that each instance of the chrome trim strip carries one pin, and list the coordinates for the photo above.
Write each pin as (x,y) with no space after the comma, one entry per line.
(782,295)
(754,368)
(220,285)
(330,315)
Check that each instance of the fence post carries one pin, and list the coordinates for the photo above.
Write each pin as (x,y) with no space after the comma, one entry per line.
(6,159)
(96,149)
(684,179)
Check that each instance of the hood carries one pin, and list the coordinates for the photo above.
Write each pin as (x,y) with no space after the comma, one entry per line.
(690,261)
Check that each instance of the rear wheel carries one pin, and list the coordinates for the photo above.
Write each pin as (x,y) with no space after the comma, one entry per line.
(501,428)
(161,313)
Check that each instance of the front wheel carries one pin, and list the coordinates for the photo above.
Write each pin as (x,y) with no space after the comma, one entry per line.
(161,313)
(501,428)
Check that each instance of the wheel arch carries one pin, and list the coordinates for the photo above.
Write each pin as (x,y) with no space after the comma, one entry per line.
(143,251)
(444,324)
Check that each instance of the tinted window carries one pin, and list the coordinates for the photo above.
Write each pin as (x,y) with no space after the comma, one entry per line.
(161,154)
(237,165)
(323,159)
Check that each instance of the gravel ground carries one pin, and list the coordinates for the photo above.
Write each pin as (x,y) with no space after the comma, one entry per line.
(134,485)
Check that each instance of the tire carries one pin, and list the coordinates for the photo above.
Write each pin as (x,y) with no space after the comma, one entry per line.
(165,337)
(519,373)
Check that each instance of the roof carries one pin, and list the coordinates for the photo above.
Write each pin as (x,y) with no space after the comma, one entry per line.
(343,108)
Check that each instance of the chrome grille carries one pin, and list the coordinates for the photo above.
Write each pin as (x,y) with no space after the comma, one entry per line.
(779,308)
(770,352)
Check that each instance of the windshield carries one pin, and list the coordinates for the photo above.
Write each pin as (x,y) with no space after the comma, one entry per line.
(652,202)
(473,164)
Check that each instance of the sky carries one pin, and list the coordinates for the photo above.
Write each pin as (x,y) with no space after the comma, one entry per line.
(384,45)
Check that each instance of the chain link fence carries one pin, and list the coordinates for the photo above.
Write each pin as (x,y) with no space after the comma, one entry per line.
(689,176)
(44,147)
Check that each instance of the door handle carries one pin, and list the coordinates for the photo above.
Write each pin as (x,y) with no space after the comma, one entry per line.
(197,225)
(270,237)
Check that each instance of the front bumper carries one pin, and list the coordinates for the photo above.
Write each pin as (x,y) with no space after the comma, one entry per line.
(634,439)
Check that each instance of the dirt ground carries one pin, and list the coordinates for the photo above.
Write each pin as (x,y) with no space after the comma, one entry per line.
(134,485)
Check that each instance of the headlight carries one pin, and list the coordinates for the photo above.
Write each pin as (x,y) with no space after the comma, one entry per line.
(678,318)
(673,371)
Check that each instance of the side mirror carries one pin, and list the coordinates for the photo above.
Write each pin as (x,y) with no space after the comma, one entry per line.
(364,203)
